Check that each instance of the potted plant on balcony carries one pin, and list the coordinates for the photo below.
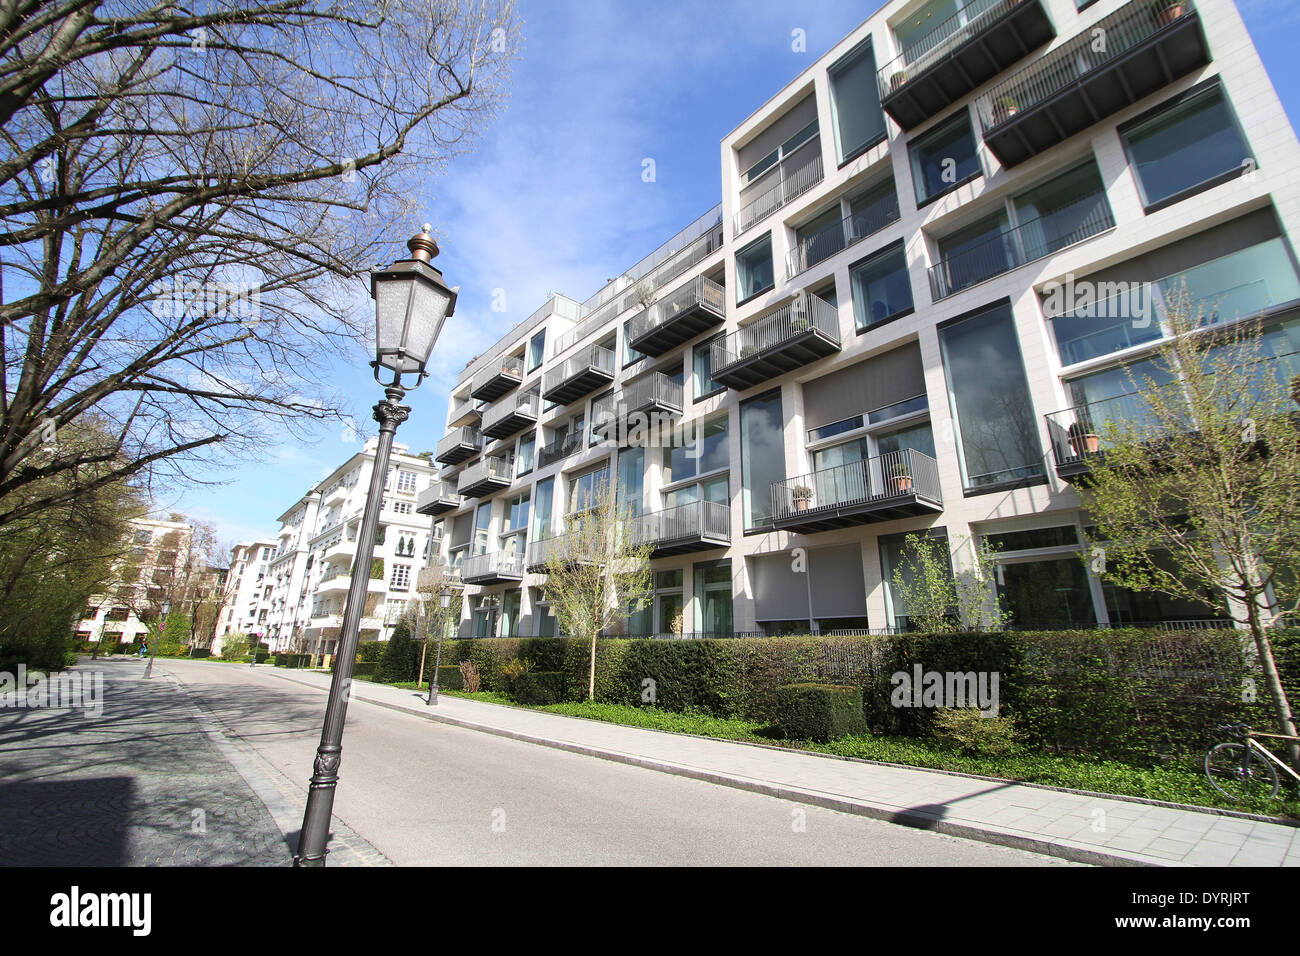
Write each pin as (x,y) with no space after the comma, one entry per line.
(802,495)
(748,350)
(900,478)
(1004,107)
(1167,11)
(1082,441)
(897,80)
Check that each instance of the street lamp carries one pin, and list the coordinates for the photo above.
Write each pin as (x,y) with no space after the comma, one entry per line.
(411,303)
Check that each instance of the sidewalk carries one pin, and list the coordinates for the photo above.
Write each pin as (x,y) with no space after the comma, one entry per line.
(1079,827)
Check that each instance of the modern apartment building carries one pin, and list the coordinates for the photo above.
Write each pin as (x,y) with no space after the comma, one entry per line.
(247,584)
(916,293)
(151,573)
(296,585)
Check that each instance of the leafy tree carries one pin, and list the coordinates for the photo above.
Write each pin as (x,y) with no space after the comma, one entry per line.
(939,601)
(598,570)
(1195,489)
(398,662)
(433,618)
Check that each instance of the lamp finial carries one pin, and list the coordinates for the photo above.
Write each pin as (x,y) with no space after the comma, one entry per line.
(422,245)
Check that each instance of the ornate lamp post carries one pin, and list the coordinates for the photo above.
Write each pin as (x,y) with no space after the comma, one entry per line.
(411,303)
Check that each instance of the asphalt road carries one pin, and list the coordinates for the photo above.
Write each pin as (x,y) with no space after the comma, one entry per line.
(421,792)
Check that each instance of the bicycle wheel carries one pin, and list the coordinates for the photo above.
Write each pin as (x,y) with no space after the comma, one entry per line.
(1239,774)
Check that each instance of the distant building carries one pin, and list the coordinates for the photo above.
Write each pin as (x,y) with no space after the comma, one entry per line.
(150,574)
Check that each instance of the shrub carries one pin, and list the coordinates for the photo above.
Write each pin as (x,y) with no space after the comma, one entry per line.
(201,652)
(610,676)
(686,675)
(292,660)
(450,678)
(400,657)
(969,732)
(469,676)
(819,712)
(371,652)
(511,672)
(234,648)
(538,688)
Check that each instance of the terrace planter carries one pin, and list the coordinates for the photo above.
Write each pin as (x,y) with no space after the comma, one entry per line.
(1082,441)
(1166,12)
(902,484)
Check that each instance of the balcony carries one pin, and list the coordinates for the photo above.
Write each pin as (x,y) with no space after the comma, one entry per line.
(900,484)
(1146,47)
(438,499)
(643,403)
(838,236)
(512,415)
(496,567)
(805,330)
(579,375)
(338,580)
(1009,249)
(791,178)
(697,526)
(459,444)
(559,449)
(338,494)
(487,477)
(497,378)
(963,52)
(465,412)
(694,308)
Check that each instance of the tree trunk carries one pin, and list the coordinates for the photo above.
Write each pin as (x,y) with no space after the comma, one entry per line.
(591,680)
(1273,681)
(424,650)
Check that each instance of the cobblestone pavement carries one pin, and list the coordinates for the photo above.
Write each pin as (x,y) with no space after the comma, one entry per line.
(140,784)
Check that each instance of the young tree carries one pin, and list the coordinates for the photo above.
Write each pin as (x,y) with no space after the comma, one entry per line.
(939,601)
(188,196)
(598,570)
(1195,489)
(437,606)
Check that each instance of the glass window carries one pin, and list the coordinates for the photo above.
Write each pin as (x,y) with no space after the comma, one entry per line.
(943,158)
(631,474)
(820,239)
(1116,395)
(881,290)
(714,489)
(855,102)
(712,599)
(527,446)
(1047,594)
(542,509)
(916,33)
(996,434)
(977,252)
(1185,145)
(1069,208)
(1062,536)
(516,513)
(918,437)
(891,557)
(1126,607)
(762,456)
(584,489)
(536,350)
(630,354)
(754,272)
(481,522)
(510,613)
(703,364)
(707,450)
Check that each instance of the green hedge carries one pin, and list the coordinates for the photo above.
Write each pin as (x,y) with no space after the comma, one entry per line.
(538,688)
(292,660)
(450,678)
(371,652)
(820,712)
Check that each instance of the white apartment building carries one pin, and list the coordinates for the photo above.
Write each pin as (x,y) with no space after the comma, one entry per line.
(246,587)
(866,335)
(294,593)
(155,560)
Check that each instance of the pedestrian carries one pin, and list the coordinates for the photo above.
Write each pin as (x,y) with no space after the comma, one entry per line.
(144,649)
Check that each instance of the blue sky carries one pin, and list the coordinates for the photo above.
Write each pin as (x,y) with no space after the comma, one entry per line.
(553,199)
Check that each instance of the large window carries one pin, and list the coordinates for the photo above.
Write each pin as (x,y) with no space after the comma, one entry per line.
(524,460)
(944,158)
(630,354)
(703,364)
(996,434)
(916,32)
(855,102)
(536,350)
(892,548)
(585,489)
(482,520)
(881,290)
(1188,145)
(631,479)
(976,252)
(712,598)
(762,456)
(706,450)
(754,272)
(542,509)
(776,156)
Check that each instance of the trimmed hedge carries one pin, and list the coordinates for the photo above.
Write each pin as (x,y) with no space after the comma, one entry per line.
(371,652)
(819,712)
(450,678)
(292,660)
(538,688)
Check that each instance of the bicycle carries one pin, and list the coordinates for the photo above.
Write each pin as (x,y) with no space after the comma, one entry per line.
(1243,771)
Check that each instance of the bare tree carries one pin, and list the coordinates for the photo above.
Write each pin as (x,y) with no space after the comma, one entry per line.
(598,570)
(1195,485)
(187,196)
(439,595)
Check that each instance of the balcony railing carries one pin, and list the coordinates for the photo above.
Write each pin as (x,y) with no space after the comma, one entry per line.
(494,380)
(1130,54)
(492,473)
(694,526)
(802,331)
(698,305)
(859,491)
(438,498)
(655,392)
(1076,433)
(493,566)
(459,444)
(1082,219)
(824,243)
(794,176)
(512,414)
(559,449)
(579,374)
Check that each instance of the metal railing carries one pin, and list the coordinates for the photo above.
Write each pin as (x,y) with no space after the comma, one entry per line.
(464,435)
(824,243)
(805,312)
(1011,248)
(1077,432)
(593,357)
(557,304)
(499,466)
(559,449)
(974,17)
(796,174)
(653,390)
(529,403)
(696,519)
(504,564)
(1126,28)
(437,491)
(699,292)
(906,472)
(509,366)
